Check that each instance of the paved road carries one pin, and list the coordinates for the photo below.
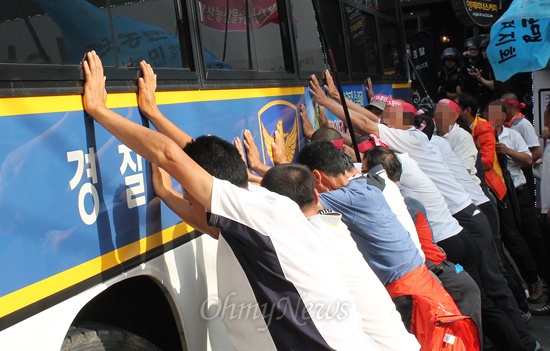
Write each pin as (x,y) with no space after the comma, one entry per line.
(540,328)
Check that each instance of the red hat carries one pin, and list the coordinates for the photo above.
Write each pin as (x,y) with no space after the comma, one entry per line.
(451,103)
(366,145)
(513,102)
(338,143)
(384,98)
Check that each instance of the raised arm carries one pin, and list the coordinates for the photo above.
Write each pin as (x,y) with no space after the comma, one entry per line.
(361,124)
(147,84)
(333,93)
(179,205)
(151,145)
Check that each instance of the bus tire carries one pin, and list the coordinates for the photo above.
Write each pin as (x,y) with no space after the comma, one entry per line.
(103,337)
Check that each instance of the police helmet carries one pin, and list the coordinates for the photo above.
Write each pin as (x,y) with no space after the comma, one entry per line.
(484,43)
(471,42)
(450,53)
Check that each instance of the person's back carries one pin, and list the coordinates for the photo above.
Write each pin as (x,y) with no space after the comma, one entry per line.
(381,321)
(416,144)
(297,294)
(458,170)
(395,202)
(385,244)
(444,225)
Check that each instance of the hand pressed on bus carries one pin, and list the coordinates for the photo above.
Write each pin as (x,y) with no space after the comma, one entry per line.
(95,94)
(149,144)
(147,84)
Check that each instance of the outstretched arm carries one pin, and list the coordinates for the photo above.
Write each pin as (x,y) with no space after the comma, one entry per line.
(151,145)
(147,84)
(333,93)
(178,204)
(361,123)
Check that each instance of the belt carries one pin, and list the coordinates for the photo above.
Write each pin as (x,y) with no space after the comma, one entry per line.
(437,270)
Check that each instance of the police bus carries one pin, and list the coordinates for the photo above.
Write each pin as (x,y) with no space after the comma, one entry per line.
(88,255)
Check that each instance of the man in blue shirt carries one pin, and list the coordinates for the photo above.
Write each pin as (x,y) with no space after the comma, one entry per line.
(385,244)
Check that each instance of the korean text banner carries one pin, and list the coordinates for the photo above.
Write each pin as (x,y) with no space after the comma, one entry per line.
(520,39)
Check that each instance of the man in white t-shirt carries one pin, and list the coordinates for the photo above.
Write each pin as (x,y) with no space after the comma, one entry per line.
(416,143)
(381,321)
(516,120)
(518,155)
(303,298)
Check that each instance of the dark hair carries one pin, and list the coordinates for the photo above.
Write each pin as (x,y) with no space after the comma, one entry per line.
(429,128)
(466,100)
(326,134)
(218,157)
(291,180)
(387,158)
(325,157)
(462,123)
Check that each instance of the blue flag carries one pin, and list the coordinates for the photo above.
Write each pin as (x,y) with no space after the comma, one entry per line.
(520,39)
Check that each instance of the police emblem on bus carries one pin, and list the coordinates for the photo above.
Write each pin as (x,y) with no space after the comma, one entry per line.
(281,116)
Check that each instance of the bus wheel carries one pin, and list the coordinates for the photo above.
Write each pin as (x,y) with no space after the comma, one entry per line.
(103,337)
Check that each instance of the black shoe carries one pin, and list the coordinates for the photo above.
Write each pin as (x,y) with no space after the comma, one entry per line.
(543,310)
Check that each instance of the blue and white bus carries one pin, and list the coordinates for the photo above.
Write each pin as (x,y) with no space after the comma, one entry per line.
(88,255)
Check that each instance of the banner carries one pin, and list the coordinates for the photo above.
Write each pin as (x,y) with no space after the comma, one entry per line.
(520,39)
(422,57)
(215,13)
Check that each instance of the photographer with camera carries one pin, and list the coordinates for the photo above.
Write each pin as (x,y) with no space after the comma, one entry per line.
(478,75)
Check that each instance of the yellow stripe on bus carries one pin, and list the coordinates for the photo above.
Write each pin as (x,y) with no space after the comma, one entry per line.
(401,86)
(13,106)
(49,286)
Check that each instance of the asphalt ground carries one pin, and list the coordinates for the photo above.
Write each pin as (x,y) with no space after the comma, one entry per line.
(540,325)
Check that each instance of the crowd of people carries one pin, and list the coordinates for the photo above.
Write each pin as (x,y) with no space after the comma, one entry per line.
(402,249)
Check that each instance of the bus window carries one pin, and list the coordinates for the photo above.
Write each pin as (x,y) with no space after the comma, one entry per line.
(392,53)
(361,31)
(310,57)
(385,7)
(329,13)
(241,35)
(58,32)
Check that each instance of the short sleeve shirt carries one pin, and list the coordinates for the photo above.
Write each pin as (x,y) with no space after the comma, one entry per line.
(443,224)
(385,244)
(293,275)
(527,131)
(381,321)
(417,145)
(514,141)
(458,170)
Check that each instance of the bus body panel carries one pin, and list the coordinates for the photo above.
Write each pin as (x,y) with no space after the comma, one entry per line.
(188,276)
(76,202)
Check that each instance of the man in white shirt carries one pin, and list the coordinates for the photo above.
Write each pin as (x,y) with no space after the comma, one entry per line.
(518,155)
(516,120)
(381,321)
(293,275)
(460,204)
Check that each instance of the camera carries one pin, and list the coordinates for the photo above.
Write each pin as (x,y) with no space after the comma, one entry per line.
(470,69)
